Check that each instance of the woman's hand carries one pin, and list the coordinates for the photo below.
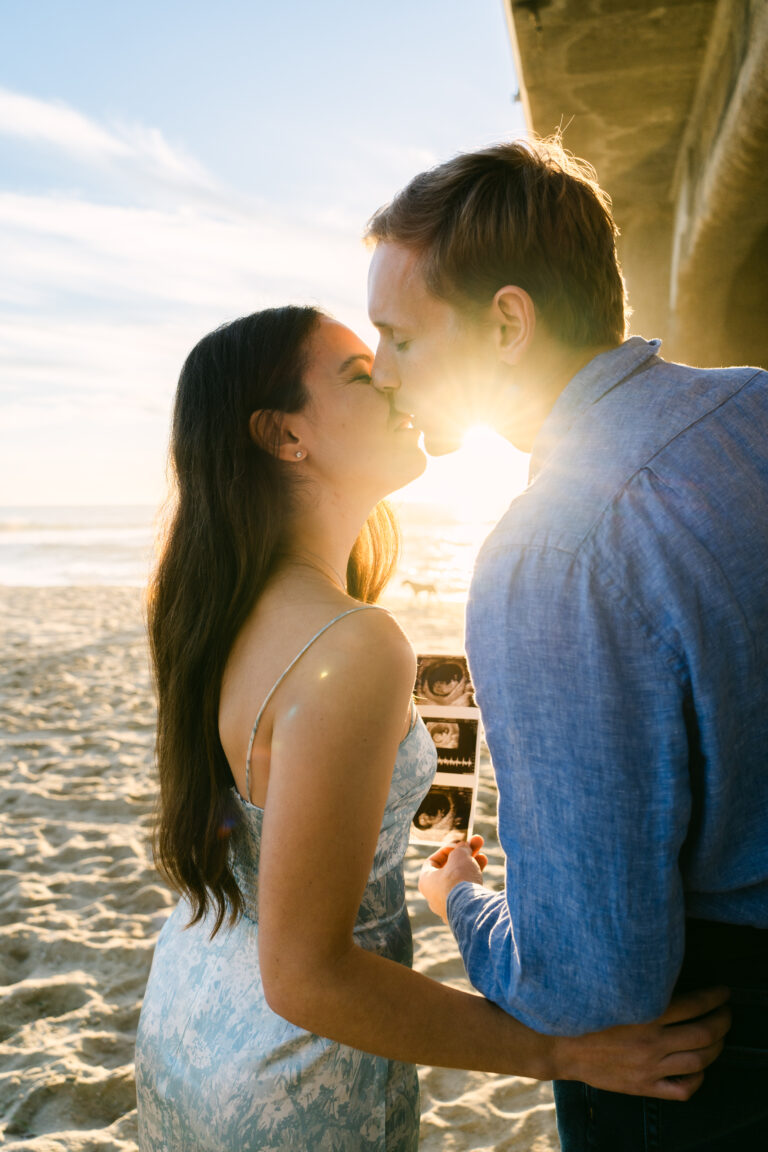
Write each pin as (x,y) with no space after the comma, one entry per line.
(449,866)
(665,1058)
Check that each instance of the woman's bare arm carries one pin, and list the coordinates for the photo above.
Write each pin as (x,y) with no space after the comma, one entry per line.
(333,750)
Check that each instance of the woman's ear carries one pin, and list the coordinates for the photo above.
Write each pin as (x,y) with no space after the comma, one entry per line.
(514,317)
(269,429)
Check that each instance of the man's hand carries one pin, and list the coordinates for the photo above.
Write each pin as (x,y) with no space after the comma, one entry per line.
(449,866)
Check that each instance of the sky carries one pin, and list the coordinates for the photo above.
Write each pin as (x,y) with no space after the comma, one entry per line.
(167,166)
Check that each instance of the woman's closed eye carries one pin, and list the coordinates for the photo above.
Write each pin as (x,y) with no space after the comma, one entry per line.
(402,345)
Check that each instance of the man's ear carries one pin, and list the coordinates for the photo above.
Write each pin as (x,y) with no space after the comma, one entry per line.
(514,318)
(269,429)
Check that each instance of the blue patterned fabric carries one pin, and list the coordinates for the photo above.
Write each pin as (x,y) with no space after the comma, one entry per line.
(217,1070)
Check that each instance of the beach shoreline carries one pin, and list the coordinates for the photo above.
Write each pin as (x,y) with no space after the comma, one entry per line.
(82,905)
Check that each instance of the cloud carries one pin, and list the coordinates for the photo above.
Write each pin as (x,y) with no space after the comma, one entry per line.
(54,124)
(204,246)
(397,157)
(63,250)
(100,301)
(100,304)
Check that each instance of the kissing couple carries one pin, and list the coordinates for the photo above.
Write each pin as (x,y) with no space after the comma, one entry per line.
(617,635)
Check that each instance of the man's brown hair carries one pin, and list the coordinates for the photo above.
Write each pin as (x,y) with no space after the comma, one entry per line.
(525,213)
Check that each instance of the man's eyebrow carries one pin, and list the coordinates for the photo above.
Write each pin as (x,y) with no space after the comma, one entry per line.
(351,359)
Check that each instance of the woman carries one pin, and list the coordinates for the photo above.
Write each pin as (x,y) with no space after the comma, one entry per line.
(280,1011)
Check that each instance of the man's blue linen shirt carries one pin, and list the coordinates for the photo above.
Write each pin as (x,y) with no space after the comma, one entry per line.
(617,631)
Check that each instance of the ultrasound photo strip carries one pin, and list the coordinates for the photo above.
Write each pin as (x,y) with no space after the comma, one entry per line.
(448,810)
(445,699)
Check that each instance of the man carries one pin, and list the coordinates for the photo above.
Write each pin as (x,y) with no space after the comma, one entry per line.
(617,629)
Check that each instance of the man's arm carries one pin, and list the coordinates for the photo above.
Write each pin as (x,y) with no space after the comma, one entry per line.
(583,709)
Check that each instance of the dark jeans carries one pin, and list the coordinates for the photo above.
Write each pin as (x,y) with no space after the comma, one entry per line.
(729,1113)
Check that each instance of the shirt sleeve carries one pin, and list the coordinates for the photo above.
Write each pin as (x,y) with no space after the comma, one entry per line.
(584,710)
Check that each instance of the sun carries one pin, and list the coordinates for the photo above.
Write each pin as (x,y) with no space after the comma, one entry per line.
(476,483)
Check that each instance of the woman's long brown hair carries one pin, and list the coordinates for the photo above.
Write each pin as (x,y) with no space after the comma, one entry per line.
(225,530)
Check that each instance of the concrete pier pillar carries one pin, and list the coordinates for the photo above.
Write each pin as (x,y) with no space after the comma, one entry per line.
(669,102)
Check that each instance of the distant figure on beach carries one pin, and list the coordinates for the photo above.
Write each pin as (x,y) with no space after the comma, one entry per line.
(617,628)
(417,587)
(281,1010)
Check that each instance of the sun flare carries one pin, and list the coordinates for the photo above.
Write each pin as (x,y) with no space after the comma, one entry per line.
(446,514)
(476,483)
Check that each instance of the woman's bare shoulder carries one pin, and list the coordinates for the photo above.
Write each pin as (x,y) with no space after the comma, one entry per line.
(365,656)
(375,636)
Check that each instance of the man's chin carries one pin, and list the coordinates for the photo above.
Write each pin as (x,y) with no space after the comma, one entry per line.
(437,445)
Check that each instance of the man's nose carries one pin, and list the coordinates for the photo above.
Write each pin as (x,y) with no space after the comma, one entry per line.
(384,374)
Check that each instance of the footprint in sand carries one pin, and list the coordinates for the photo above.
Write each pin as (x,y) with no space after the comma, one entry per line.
(106,1049)
(16,959)
(73,1103)
(32,1000)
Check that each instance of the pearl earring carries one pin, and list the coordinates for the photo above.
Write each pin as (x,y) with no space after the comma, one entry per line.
(299,454)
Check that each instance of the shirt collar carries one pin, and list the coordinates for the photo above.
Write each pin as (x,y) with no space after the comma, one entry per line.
(589,385)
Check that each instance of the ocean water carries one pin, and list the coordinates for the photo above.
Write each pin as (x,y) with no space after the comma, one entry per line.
(64,546)
(113,545)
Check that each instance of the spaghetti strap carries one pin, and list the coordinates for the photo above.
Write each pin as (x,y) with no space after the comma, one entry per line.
(278,682)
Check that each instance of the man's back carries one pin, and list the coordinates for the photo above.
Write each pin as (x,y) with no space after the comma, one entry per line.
(618,638)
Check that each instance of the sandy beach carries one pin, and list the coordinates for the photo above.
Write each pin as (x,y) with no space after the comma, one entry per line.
(81,904)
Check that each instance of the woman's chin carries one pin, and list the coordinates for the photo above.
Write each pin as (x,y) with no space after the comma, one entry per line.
(420,466)
(416,468)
